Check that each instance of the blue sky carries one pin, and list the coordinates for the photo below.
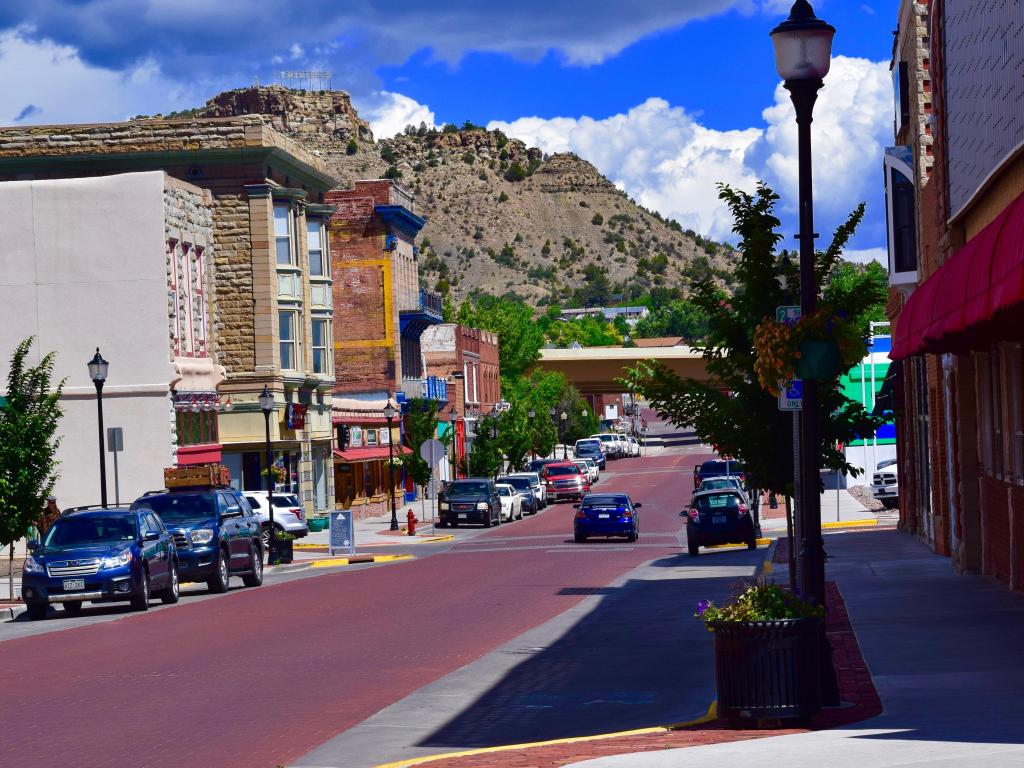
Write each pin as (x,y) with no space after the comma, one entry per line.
(665,97)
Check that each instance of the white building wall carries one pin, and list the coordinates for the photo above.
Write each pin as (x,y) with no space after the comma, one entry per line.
(83,265)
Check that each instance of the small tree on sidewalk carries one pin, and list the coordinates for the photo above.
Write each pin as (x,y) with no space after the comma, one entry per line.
(28,447)
(420,426)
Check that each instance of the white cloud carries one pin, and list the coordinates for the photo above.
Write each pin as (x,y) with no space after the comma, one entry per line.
(866,255)
(665,159)
(388,113)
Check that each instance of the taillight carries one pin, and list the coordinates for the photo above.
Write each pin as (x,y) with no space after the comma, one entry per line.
(580,514)
(744,509)
(693,514)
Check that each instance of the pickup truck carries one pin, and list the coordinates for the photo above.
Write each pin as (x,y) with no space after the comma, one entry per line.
(885,483)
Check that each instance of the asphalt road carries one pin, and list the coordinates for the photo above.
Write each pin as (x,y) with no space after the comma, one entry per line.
(259,677)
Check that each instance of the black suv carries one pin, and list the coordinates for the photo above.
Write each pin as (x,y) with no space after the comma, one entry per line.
(721,516)
(216,535)
(474,500)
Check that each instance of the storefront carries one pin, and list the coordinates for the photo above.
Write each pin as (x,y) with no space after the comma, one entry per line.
(366,464)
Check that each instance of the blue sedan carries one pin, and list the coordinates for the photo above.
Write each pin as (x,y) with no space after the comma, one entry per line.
(606,514)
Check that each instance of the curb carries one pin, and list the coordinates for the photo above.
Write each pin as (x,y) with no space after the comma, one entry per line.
(430,539)
(10,612)
(851,523)
(332,562)
(707,717)
(760,543)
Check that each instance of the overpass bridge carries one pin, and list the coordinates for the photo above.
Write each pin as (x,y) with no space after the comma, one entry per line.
(594,370)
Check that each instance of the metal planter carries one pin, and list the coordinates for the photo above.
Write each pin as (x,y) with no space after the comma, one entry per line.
(768,669)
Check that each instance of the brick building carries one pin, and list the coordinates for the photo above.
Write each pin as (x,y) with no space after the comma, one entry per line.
(958,318)
(378,358)
(262,283)
(468,358)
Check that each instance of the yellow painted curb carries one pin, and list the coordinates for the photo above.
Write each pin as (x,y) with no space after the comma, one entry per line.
(334,562)
(851,524)
(398,541)
(308,546)
(707,717)
(760,543)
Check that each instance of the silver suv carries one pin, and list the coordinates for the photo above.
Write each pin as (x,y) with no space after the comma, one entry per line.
(288,514)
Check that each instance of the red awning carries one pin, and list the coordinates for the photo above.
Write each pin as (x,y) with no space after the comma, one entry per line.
(1008,261)
(914,318)
(352,455)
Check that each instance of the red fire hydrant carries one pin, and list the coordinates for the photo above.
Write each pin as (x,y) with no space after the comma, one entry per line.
(411,522)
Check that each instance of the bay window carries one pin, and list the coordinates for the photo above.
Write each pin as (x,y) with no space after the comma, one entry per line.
(283,234)
(321,342)
(289,322)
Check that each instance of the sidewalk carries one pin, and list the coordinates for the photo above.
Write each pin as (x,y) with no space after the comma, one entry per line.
(838,508)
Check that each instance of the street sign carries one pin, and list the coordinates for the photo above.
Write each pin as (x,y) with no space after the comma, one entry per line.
(115,439)
(791,395)
(432,451)
(787,314)
(342,533)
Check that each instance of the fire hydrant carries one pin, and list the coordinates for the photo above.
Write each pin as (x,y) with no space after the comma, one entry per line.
(411,522)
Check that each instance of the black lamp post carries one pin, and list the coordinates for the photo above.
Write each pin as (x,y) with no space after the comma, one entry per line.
(389,415)
(565,451)
(452,415)
(803,52)
(98,373)
(267,406)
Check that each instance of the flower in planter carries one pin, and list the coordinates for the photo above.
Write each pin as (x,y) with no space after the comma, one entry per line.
(757,602)
(283,536)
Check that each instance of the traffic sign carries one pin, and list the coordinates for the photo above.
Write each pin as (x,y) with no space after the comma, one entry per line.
(432,451)
(791,395)
(788,314)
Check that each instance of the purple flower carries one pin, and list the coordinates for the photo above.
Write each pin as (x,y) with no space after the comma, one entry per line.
(702,606)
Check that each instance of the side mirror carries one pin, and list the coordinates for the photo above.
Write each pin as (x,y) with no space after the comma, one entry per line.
(233,511)
(576,506)
(637,506)
(32,546)
(151,536)
(683,513)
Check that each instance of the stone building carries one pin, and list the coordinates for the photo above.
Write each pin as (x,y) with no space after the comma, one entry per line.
(959,323)
(269,303)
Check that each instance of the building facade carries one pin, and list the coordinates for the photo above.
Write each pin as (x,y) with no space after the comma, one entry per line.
(958,333)
(267,296)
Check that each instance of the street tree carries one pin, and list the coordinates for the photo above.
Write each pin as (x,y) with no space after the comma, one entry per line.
(734,412)
(420,426)
(28,446)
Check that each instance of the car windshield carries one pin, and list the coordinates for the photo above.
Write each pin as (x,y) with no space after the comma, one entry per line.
(176,508)
(593,502)
(517,482)
(573,470)
(717,468)
(717,501)
(504,490)
(91,529)
(467,487)
(718,482)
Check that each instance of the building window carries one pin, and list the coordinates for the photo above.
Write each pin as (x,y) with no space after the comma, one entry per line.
(321,345)
(385,437)
(315,243)
(283,234)
(356,437)
(290,343)
(901,94)
(371,437)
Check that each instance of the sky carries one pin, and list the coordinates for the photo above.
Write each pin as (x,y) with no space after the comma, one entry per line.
(665,97)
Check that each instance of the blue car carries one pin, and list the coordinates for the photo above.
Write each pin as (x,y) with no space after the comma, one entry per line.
(606,514)
(100,555)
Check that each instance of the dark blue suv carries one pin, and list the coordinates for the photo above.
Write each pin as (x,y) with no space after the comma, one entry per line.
(100,555)
(216,535)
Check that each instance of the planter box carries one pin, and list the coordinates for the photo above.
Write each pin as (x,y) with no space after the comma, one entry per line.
(768,669)
(818,360)
(317,524)
(284,550)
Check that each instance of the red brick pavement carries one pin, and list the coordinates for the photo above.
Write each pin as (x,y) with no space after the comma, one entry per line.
(857,691)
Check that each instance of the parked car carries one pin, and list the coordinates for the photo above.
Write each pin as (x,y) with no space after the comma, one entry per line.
(562,453)
(216,534)
(288,514)
(100,554)
(719,468)
(528,499)
(718,517)
(606,514)
(634,446)
(610,443)
(511,502)
(885,483)
(623,443)
(589,469)
(540,492)
(591,448)
(565,481)
(537,465)
(473,500)
(718,483)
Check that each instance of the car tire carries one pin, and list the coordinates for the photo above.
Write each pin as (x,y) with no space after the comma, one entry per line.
(255,578)
(219,583)
(170,595)
(442,524)
(72,609)
(37,611)
(752,544)
(579,538)
(140,601)
(520,514)
(631,537)
(265,536)
(488,522)
(693,548)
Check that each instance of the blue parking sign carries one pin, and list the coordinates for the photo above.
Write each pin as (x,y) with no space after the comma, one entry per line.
(791,395)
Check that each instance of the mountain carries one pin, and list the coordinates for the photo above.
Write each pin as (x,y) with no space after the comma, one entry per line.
(501,217)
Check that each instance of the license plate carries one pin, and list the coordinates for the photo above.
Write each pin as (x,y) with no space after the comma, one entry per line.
(604,517)
(463,515)
(72,584)
(718,519)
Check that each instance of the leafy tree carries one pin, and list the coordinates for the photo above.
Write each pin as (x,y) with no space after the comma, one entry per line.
(515,172)
(597,220)
(392,173)
(586,331)
(862,287)
(485,459)
(387,154)
(28,446)
(678,318)
(520,338)
(420,426)
(734,412)
(596,290)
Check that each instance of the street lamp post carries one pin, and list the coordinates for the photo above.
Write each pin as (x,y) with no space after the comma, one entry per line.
(565,451)
(803,52)
(452,415)
(267,406)
(531,415)
(98,373)
(389,415)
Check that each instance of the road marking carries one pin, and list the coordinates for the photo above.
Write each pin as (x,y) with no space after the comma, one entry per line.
(707,717)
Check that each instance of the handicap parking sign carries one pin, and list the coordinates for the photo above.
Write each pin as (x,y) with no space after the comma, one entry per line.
(791,395)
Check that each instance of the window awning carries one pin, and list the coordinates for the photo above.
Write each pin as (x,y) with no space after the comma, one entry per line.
(969,299)
(353,455)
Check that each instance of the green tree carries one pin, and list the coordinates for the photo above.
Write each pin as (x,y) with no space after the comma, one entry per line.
(864,288)
(28,446)
(733,412)
(520,337)
(485,457)
(515,172)
(677,318)
(420,426)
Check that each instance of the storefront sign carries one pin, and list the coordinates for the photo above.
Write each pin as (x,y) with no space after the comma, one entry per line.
(342,532)
(295,416)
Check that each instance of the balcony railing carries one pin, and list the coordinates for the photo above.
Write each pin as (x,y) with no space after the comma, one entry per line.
(432,302)
(428,388)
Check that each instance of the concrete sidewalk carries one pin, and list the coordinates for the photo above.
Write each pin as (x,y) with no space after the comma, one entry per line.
(837,507)
(944,654)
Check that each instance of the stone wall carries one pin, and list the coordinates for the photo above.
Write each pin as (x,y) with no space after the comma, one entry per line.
(188,225)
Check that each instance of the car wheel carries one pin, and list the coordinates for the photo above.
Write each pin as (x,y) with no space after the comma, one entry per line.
(442,524)
(72,609)
(631,537)
(170,595)
(265,536)
(488,521)
(219,583)
(37,611)
(520,514)
(693,548)
(579,538)
(255,578)
(752,544)
(140,601)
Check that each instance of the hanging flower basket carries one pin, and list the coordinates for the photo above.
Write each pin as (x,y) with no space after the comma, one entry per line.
(819,346)
(277,474)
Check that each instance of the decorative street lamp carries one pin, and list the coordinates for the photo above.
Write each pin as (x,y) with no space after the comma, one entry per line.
(531,415)
(98,373)
(389,415)
(267,406)
(565,451)
(452,415)
(803,53)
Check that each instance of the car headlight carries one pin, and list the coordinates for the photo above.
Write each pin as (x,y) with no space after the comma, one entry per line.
(483,505)
(444,505)
(121,558)
(31,566)
(201,536)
